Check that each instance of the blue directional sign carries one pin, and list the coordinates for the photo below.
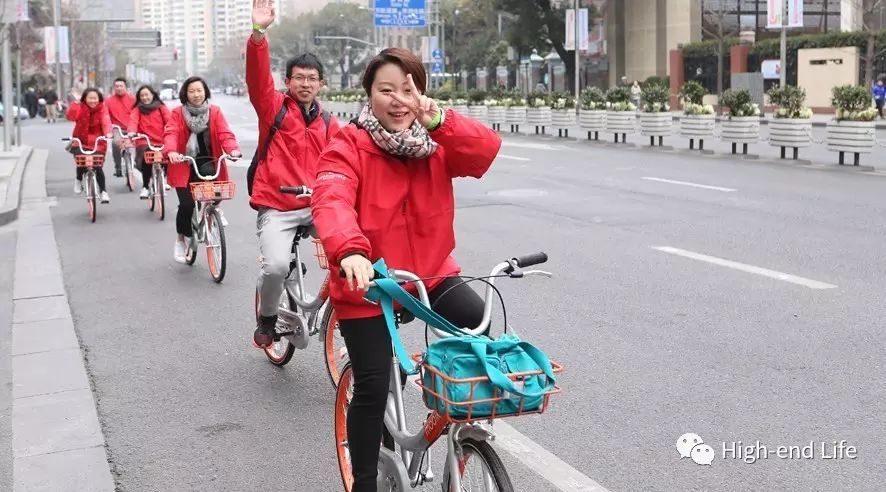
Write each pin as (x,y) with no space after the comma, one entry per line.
(437,54)
(400,13)
(437,67)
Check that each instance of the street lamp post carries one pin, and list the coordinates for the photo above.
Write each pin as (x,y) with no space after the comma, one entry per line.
(454,41)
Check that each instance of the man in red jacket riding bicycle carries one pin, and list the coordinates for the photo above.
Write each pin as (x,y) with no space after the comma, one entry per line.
(119,105)
(293,130)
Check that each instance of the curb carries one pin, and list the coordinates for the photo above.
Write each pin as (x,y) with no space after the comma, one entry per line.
(9,212)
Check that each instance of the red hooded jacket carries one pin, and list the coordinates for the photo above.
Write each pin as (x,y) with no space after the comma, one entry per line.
(292,156)
(371,202)
(152,124)
(176,140)
(119,108)
(90,123)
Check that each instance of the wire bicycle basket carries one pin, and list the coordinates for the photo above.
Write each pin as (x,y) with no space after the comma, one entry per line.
(85,160)
(320,253)
(212,191)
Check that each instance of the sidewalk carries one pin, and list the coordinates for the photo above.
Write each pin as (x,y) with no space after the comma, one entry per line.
(12,166)
(57,441)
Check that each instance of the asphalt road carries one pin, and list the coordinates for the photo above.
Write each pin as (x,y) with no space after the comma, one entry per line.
(738,300)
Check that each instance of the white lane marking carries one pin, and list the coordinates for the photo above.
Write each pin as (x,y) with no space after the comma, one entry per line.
(536,458)
(514,158)
(536,146)
(686,183)
(785,277)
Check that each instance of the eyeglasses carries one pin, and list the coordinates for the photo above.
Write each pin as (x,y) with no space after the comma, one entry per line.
(300,79)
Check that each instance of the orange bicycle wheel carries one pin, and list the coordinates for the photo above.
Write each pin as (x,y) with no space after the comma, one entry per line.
(335,354)
(343,396)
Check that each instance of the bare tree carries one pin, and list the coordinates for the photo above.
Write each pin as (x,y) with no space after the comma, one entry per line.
(869,9)
(714,26)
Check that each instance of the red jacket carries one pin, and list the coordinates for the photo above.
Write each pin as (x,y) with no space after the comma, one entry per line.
(119,107)
(89,124)
(152,124)
(292,157)
(176,140)
(371,202)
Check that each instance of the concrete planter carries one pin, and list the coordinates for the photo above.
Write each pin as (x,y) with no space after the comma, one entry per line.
(790,132)
(621,123)
(479,113)
(538,116)
(656,124)
(352,109)
(516,115)
(856,137)
(496,114)
(740,129)
(461,108)
(592,120)
(697,126)
(562,118)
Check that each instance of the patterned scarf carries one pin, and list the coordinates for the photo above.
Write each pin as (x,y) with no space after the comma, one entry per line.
(411,143)
(150,107)
(197,118)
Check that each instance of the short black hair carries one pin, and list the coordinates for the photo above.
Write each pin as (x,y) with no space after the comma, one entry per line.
(305,60)
(121,79)
(151,90)
(183,92)
(86,92)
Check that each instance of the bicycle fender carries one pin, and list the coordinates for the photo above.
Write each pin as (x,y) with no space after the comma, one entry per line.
(390,465)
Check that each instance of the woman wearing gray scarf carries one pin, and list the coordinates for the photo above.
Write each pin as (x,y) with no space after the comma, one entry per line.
(199,130)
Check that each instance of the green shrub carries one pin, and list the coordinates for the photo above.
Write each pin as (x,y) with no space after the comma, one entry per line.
(537,99)
(476,97)
(853,103)
(692,92)
(561,100)
(655,99)
(739,103)
(789,100)
(593,98)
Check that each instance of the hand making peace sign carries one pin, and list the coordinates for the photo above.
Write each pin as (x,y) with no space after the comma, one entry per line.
(423,107)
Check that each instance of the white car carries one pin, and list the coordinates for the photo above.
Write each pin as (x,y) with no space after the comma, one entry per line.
(22,112)
(167,94)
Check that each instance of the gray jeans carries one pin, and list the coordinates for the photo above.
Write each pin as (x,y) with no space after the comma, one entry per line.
(276,231)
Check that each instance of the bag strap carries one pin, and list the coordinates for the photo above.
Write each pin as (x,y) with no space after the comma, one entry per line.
(387,307)
(503,382)
(327,117)
(394,291)
(278,122)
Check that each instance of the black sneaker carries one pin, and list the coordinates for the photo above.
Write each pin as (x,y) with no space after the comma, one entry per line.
(264,333)
(118,173)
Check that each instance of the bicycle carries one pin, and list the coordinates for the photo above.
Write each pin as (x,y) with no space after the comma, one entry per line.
(156,189)
(302,315)
(90,161)
(127,158)
(466,438)
(206,223)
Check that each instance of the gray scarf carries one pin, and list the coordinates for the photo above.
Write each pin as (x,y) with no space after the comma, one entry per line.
(197,118)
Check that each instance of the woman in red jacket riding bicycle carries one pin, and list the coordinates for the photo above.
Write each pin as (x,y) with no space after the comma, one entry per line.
(384,190)
(149,116)
(91,120)
(199,130)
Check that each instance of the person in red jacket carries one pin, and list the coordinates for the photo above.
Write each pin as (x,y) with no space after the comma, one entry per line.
(384,190)
(119,106)
(288,158)
(91,120)
(149,116)
(199,130)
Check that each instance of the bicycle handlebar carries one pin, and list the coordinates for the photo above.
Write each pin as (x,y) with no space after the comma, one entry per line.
(510,267)
(142,136)
(217,166)
(82,148)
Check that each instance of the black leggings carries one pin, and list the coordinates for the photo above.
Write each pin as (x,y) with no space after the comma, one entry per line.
(146,169)
(369,348)
(99,176)
(185,210)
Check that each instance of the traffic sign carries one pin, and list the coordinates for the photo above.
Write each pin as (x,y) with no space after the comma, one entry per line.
(437,54)
(437,67)
(400,13)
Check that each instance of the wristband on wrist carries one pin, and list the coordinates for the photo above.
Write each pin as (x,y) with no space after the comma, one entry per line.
(259,29)
(436,121)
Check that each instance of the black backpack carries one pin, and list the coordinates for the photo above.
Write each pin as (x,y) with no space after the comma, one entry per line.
(261,154)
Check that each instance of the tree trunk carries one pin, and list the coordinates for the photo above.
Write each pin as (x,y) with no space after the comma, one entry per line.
(720,72)
(568,58)
(869,59)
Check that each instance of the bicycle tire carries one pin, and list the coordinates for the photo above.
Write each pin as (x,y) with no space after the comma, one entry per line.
(285,301)
(153,188)
(331,355)
(217,260)
(161,200)
(483,451)
(191,255)
(128,171)
(342,401)
(91,197)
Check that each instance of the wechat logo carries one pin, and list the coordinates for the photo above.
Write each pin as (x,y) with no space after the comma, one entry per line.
(692,446)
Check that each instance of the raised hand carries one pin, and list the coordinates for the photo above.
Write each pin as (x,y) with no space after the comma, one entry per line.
(423,107)
(263,13)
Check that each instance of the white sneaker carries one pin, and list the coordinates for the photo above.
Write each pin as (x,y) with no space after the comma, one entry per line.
(105,197)
(224,220)
(145,194)
(180,251)
(78,187)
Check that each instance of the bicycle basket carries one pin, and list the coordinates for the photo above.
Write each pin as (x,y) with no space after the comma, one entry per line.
(476,398)
(321,255)
(153,157)
(84,160)
(211,191)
